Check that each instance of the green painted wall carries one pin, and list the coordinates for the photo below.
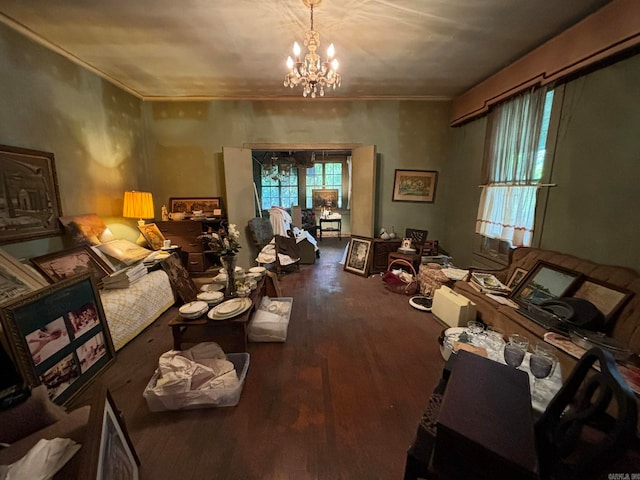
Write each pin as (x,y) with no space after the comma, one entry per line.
(592,213)
(185,142)
(95,131)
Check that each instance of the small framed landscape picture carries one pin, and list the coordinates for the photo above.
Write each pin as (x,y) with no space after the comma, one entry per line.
(545,281)
(358,256)
(415,186)
(209,206)
(59,336)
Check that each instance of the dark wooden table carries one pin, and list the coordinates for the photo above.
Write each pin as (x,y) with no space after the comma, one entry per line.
(230,334)
(332,229)
(485,424)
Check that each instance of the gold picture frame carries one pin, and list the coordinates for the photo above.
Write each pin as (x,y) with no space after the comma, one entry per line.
(152,234)
(415,186)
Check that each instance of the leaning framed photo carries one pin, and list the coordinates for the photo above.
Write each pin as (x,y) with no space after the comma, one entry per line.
(108,451)
(358,256)
(415,186)
(516,277)
(59,336)
(29,199)
(210,206)
(152,235)
(17,279)
(608,298)
(69,263)
(179,278)
(545,281)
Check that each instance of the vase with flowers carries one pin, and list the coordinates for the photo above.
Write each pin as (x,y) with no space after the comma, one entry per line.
(225,243)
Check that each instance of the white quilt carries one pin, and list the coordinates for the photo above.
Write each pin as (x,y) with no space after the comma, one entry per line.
(131,310)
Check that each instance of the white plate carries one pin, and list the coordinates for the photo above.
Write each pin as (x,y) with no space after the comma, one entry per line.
(192,308)
(414,304)
(229,306)
(210,296)
(212,287)
(259,270)
(213,315)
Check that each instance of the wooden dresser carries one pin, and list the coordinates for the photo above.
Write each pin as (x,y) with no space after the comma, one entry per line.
(185,234)
(380,253)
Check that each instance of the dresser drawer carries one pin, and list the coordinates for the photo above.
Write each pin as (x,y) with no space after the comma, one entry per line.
(197,262)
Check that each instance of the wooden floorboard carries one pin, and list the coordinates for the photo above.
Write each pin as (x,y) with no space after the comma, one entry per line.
(340,399)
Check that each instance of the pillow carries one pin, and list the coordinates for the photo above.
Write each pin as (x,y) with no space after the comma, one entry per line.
(124,251)
(88,228)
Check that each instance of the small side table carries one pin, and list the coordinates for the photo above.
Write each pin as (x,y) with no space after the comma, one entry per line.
(331,229)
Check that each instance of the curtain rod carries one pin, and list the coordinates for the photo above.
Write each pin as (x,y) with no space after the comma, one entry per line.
(541,185)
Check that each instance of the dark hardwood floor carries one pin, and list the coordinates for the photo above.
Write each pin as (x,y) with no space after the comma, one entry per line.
(341,399)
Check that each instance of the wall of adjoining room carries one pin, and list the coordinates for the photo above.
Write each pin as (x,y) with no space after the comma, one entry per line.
(592,211)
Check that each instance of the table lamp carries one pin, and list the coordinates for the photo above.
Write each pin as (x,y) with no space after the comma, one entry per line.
(138,205)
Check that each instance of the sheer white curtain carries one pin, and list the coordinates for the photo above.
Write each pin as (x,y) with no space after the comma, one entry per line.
(508,199)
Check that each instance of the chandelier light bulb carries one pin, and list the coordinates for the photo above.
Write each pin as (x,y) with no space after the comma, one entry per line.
(335,64)
(296,49)
(331,51)
(290,63)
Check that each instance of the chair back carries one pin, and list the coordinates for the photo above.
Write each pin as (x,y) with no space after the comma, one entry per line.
(578,434)
(418,238)
(261,231)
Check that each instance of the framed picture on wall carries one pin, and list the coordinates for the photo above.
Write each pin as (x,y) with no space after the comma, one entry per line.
(210,206)
(29,198)
(327,197)
(415,186)
(59,336)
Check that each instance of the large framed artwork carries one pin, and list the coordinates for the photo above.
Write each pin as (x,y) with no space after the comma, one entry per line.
(69,263)
(415,186)
(545,281)
(16,279)
(210,206)
(358,256)
(327,197)
(29,198)
(608,298)
(59,336)
(108,452)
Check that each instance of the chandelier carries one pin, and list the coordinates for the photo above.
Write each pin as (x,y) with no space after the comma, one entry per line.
(312,73)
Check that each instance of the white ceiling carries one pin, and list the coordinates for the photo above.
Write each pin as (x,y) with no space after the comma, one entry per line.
(236,49)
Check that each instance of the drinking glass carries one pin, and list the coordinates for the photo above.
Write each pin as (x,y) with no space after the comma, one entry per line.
(520,340)
(475,329)
(513,354)
(541,366)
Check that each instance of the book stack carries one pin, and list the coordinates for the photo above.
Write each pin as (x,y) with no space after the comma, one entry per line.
(125,277)
(488,283)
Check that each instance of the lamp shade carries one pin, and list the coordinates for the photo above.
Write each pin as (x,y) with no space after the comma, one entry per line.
(138,205)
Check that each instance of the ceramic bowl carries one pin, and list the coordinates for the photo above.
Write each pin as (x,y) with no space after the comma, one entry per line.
(258,270)
(212,287)
(211,298)
(193,310)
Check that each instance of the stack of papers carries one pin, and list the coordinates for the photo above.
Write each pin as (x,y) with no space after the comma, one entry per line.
(125,277)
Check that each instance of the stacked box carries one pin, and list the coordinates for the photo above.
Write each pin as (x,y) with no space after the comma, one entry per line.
(269,324)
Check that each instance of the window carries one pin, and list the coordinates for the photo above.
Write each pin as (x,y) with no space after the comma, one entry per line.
(286,179)
(280,188)
(513,168)
(324,175)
